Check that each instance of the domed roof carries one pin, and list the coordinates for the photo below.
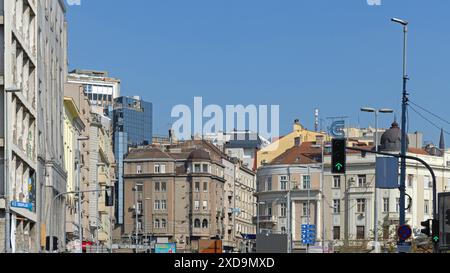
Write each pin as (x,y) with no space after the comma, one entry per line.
(199,155)
(391,140)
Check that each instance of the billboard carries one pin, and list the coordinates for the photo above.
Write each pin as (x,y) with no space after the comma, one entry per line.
(170,248)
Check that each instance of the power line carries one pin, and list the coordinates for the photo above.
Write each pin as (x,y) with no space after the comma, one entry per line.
(431,113)
(429,121)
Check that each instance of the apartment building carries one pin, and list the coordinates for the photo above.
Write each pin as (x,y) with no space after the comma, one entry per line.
(75,93)
(101,175)
(175,194)
(100,89)
(289,193)
(33,67)
(350,216)
(298,136)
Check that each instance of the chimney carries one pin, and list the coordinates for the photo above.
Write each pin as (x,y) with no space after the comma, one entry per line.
(297,125)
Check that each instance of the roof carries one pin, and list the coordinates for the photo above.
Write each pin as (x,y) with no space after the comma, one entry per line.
(302,154)
(199,154)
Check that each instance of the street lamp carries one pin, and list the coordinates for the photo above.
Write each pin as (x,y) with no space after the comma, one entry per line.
(404,136)
(10,90)
(376,112)
(322,146)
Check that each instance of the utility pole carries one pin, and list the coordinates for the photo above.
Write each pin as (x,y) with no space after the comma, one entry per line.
(347,212)
(404,148)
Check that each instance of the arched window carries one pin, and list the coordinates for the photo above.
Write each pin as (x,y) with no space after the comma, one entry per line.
(205,224)
(163,223)
(283,230)
(197,223)
(156,224)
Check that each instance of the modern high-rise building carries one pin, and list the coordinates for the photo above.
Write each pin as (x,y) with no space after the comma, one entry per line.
(132,126)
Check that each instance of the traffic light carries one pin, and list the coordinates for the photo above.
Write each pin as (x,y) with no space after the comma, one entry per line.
(109,196)
(427,228)
(436,234)
(339,158)
(447,217)
(55,243)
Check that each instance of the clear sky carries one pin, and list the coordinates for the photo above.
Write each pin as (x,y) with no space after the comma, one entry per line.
(335,55)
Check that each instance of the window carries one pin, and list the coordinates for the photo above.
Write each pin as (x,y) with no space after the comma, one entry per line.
(360,232)
(139,187)
(205,168)
(197,223)
(157,186)
(205,186)
(156,223)
(362,181)
(386,205)
(205,205)
(427,207)
(163,205)
(397,207)
(305,209)
(283,182)
(410,180)
(283,230)
(163,223)
(361,205)
(139,169)
(205,224)
(163,168)
(269,211)
(163,186)
(157,205)
(269,183)
(426,182)
(139,207)
(306,182)
(157,168)
(336,233)
(197,168)
(197,187)
(337,182)
(197,205)
(283,209)
(336,206)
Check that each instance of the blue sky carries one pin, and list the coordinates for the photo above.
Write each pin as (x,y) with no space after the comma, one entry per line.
(302,55)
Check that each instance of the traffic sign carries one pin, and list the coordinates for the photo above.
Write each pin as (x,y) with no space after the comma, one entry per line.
(404,232)
(309,233)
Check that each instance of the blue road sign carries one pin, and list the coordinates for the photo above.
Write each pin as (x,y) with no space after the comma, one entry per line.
(309,233)
(404,232)
(22,205)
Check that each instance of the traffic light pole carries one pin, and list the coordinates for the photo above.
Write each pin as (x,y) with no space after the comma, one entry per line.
(404,157)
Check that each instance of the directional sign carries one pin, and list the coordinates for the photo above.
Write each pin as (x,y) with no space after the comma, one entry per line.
(309,234)
(404,232)
(21,205)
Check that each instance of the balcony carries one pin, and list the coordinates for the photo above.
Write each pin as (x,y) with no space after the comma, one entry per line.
(266,219)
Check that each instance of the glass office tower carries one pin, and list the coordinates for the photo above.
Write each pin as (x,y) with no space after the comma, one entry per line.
(133,126)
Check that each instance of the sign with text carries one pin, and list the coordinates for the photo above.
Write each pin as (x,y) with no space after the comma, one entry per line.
(387,173)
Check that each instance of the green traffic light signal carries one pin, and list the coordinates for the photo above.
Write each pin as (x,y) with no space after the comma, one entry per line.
(338,164)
